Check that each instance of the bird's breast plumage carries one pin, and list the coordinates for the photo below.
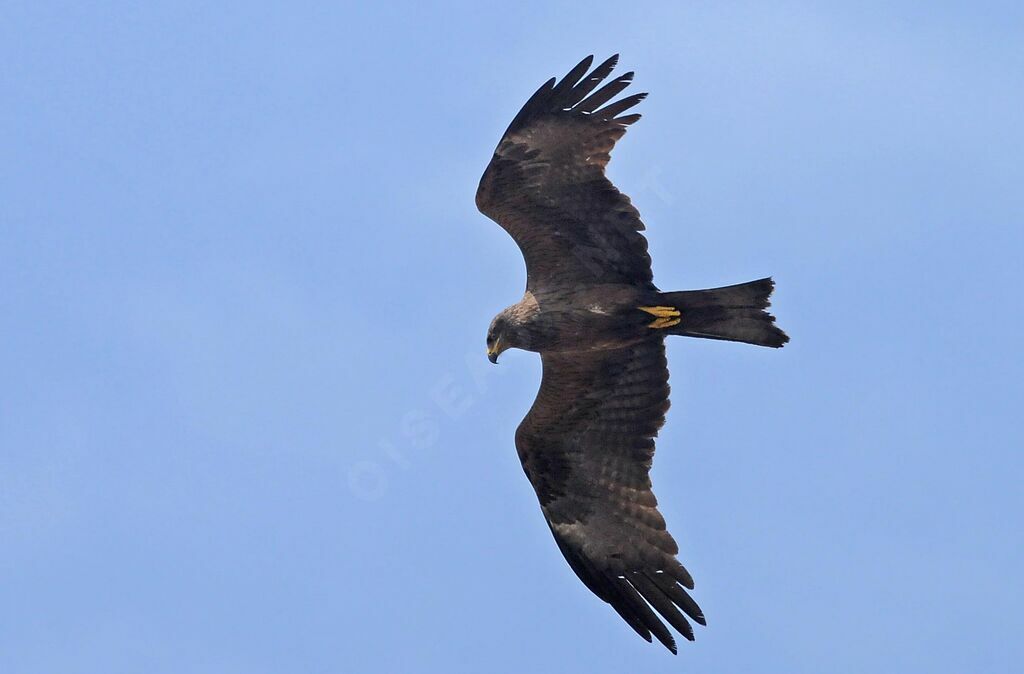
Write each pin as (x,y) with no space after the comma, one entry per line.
(584,319)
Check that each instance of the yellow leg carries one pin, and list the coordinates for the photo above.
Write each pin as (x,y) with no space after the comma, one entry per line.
(661,312)
(664,317)
(664,322)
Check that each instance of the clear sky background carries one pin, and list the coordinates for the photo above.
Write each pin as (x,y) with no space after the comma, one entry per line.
(246,420)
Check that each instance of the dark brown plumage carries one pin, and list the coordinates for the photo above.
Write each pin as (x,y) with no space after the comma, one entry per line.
(592,311)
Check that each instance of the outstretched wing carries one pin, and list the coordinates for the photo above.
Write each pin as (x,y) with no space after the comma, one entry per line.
(546,185)
(586,446)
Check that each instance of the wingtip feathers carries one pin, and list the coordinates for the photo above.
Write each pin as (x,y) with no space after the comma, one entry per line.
(575,94)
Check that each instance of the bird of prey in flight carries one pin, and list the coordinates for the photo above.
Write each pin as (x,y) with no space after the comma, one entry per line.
(592,311)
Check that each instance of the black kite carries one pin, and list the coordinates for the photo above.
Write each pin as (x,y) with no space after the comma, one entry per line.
(592,311)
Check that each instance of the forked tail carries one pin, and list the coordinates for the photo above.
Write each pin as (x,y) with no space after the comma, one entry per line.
(734,313)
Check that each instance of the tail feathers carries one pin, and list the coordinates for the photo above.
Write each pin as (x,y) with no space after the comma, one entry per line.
(734,313)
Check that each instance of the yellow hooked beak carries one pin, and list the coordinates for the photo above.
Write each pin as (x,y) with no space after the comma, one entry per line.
(494,351)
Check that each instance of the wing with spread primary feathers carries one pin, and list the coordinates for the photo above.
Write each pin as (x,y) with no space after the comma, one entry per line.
(586,446)
(546,184)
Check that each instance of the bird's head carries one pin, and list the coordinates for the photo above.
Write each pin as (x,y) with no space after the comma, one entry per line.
(501,336)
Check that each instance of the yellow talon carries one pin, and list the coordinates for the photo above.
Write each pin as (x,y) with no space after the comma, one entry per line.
(665,322)
(661,312)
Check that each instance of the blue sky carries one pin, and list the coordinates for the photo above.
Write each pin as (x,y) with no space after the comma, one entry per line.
(246,420)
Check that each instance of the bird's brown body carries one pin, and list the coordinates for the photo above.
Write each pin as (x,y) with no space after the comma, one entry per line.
(580,319)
